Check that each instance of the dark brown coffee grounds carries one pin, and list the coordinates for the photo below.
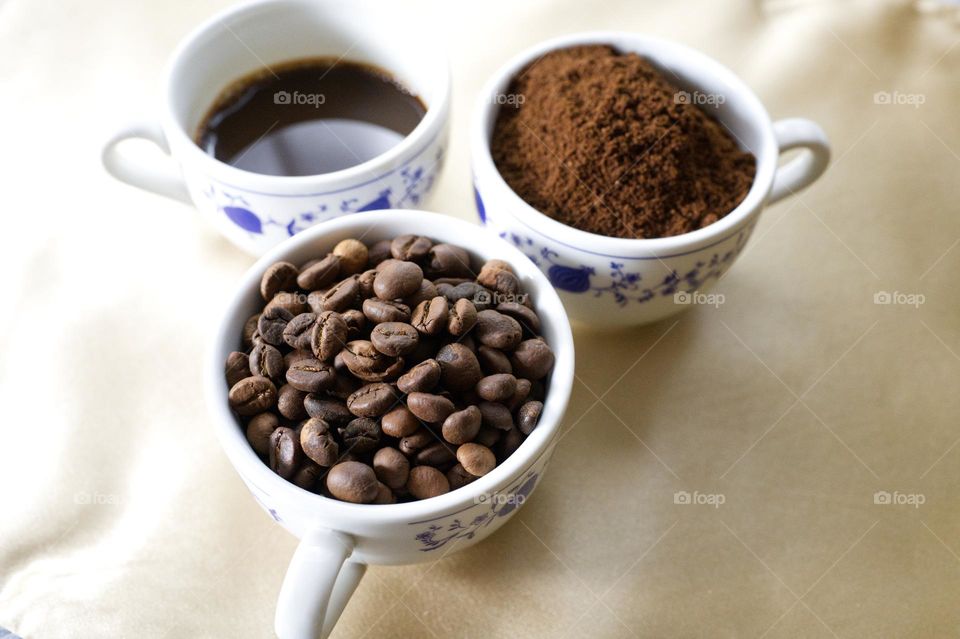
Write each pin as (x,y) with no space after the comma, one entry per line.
(599,141)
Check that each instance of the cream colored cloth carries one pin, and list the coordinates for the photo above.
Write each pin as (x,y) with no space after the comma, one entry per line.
(793,403)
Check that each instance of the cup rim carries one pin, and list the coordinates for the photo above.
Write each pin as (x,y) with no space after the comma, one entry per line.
(486,110)
(432,121)
(252,469)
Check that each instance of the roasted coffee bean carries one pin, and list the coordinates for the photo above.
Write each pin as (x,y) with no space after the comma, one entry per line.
(340,297)
(318,443)
(353,255)
(397,280)
(294,302)
(509,443)
(462,426)
(356,323)
(520,395)
(272,323)
(493,361)
(495,415)
(532,359)
(527,317)
(332,411)
(412,444)
(427,291)
(329,335)
(384,495)
(476,459)
(286,455)
(425,482)
(379,252)
(293,357)
(421,378)
(252,395)
(506,283)
(399,422)
(364,361)
(307,476)
(410,247)
(459,368)
(488,436)
(478,295)
(391,467)
(320,275)
(458,477)
(430,408)
(464,351)
(311,375)
(249,330)
(290,402)
(394,338)
(372,400)
(447,260)
(462,317)
(497,330)
(365,280)
(497,388)
(280,276)
(297,332)
(237,367)
(361,435)
(489,271)
(379,311)
(259,430)
(266,361)
(438,454)
(353,481)
(430,316)
(528,416)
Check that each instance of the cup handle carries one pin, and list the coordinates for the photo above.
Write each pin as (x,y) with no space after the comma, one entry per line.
(319,582)
(163,178)
(802,171)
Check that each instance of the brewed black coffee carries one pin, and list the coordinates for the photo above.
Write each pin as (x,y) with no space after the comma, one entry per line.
(309,117)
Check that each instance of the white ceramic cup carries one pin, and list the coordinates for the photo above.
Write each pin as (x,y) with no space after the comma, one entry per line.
(257,211)
(339,539)
(612,282)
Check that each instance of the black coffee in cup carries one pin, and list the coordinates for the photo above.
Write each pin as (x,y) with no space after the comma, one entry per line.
(309,117)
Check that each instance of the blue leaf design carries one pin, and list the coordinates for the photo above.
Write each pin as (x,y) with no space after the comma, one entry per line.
(244,218)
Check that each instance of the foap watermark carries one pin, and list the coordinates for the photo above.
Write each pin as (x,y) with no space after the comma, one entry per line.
(897,298)
(316,100)
(691,298)
(85,498)
(696,498)
(500,499)
(896,498)
(495,298)
(509,99)
(699,98)
(898,98)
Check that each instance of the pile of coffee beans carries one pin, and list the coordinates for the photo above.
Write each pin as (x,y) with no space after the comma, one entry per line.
(394,372)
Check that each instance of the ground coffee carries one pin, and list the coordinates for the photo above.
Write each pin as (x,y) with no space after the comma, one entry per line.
(601,141)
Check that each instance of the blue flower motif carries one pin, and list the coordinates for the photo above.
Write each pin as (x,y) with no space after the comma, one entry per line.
(568,278)
(244,218)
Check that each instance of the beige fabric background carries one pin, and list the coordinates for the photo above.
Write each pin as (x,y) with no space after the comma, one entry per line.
(796,400)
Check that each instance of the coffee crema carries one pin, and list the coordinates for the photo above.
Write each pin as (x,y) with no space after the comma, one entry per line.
(309,117)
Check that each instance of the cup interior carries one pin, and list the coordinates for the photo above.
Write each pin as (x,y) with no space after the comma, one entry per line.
(371,227)
(266,32)
(718,91)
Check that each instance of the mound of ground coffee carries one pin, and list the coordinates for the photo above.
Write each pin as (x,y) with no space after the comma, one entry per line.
(602,142)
